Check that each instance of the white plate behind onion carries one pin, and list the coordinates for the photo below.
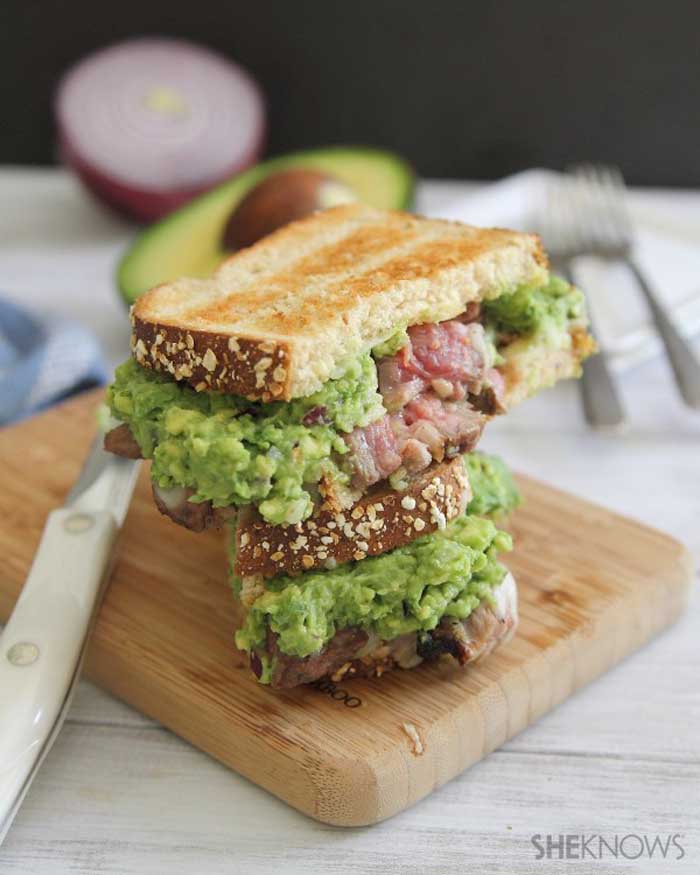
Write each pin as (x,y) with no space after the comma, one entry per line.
(151,122)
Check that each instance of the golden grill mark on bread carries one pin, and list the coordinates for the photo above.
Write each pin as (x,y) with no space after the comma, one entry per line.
(332,263)
(378,522)
(319,290)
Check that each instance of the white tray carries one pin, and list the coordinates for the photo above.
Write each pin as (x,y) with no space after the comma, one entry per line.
(668,230)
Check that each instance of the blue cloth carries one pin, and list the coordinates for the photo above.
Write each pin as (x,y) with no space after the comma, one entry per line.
(42,362)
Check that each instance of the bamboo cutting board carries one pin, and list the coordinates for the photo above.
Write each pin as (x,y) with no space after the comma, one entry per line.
(593,587)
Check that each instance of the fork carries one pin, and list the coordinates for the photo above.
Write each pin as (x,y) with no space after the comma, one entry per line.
(558,221)
(609,234)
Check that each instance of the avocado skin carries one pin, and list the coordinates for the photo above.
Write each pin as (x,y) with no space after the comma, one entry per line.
(188,241)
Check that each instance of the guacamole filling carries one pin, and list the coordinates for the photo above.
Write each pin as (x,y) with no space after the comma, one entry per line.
(543,313)
(494,492)
(408,589)
(230,451)
(234,452)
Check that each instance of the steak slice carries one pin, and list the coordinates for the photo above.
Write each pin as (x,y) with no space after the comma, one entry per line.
(121,442)
(450,423)
(374,453)
(451,353)
(470,639)
(197,516)
(174,503)
(491,400)
(290,671)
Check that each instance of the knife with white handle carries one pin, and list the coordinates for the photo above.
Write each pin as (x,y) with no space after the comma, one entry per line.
(43,643)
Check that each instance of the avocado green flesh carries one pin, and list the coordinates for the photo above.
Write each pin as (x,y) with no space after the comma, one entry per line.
(529,323)
(233,452)
(408,589)
(188,241)
(493,489)
(392,344)
(543,312)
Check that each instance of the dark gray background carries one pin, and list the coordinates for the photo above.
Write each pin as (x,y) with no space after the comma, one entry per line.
(463,89)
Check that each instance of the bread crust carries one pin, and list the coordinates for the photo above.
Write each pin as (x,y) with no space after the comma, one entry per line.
(380,521)
(278,319)
(256,369)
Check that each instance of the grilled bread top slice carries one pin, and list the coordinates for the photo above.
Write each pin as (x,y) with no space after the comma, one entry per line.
(277,320)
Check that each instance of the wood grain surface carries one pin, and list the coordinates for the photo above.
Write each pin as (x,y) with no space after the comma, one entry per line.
(593,585)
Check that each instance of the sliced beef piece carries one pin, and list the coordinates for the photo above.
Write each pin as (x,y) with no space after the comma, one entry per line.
(441,426)
(196,516)
(290,671)
(351,652)
(428,388)
(375,453)
(472,313)
(448,356)
(427,429)
(449,638)
(491,399)
(397,384)
(451,350)
(417,455)
(121,442)
(485,628)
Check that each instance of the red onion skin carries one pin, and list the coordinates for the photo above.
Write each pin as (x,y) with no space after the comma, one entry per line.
(144,205)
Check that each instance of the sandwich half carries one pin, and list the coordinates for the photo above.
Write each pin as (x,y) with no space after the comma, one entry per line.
(319,393)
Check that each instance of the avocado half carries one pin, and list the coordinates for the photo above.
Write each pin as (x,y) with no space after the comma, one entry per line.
(188,241)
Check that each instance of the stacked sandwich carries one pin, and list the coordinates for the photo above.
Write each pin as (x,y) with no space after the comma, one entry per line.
(322,396)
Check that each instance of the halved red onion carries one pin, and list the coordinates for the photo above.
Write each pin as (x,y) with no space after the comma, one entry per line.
(149,123)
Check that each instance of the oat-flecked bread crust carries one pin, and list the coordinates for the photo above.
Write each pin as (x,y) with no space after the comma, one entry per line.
(209,361)
(379,521)
(277,319)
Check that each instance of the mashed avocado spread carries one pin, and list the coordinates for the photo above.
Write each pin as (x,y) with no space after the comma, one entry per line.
(546,312)
(494,492)
(407,589)
(233,451)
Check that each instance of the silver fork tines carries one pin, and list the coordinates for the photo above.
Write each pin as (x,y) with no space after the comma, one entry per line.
(606,230)
(561,224)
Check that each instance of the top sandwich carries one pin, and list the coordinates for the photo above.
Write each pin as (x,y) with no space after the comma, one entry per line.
(352,354)
(281,318)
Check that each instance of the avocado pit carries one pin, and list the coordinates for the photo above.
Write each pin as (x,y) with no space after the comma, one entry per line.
(281,198)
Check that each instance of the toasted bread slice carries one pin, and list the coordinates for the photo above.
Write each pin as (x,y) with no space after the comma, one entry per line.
(379,521)
(278,319)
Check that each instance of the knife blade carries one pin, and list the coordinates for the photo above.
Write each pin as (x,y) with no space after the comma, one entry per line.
(43,644)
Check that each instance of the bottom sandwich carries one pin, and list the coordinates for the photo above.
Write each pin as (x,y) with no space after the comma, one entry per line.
(444,594)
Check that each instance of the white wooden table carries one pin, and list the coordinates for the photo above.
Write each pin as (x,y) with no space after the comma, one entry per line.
(119,794)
